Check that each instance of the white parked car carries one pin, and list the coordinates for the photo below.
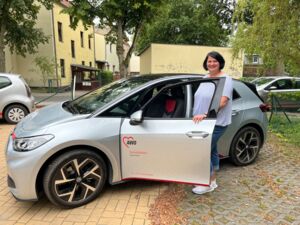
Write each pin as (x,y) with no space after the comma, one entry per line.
(282,87)
(16,100)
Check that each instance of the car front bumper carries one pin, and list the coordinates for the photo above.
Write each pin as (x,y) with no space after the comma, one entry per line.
(22,172)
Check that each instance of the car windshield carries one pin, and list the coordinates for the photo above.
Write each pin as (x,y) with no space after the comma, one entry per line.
(261,81)
(94,100)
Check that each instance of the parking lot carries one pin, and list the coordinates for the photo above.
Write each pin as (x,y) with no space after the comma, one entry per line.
(266,192)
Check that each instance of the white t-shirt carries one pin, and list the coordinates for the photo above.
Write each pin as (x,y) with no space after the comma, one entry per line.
(203,98)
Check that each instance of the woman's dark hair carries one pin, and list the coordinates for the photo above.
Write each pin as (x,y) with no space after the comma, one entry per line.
(217,56)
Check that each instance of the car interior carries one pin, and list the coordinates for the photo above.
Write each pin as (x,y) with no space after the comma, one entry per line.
(169,103)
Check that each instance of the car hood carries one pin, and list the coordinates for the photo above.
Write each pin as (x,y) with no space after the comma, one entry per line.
(47,117)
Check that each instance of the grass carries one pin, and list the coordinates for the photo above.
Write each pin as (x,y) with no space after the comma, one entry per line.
(287,132)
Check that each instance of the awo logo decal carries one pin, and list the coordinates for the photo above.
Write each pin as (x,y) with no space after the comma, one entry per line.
(128,141)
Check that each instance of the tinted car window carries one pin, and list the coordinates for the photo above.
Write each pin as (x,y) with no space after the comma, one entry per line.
(4,82)
(282,84)
(98,98)
(297,84)
(235,95)
(124,108)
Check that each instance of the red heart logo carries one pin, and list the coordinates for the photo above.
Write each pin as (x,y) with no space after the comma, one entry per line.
(125,139)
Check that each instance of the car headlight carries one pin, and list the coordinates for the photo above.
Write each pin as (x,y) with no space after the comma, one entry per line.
(30,143)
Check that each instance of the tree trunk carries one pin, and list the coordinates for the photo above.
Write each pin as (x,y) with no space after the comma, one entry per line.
(279,69)
(120,50)
(2,52)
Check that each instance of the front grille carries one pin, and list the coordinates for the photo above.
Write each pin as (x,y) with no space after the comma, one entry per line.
(10,182)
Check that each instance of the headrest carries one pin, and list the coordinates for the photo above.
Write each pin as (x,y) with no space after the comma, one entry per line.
(170,105)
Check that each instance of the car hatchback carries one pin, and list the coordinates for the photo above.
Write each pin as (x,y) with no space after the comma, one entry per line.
(136,128)
(16,100)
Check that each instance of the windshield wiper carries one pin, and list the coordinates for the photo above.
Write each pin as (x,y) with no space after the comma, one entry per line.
(71,108)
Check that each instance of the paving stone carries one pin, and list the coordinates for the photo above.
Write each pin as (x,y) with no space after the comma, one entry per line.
(265,192)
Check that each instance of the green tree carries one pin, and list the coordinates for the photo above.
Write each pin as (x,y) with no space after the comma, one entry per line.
(17,27)
(45,66)
(122,17)
(198,22)
(270,28)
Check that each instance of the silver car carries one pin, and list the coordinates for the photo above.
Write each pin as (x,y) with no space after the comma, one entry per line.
(136,128)
(16,100)
(283,87)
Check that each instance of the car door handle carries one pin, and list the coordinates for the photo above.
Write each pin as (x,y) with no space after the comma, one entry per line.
(197,134)
(235,112)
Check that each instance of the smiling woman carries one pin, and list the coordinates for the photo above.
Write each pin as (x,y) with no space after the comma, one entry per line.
(214,63)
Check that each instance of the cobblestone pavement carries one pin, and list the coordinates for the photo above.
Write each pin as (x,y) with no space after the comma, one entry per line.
(266,192)
(123,204)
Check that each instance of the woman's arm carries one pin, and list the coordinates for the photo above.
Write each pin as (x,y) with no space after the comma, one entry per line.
(223,102)
(198,118)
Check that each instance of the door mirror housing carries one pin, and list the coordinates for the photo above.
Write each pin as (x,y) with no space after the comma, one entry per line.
(272,88)
(136,117)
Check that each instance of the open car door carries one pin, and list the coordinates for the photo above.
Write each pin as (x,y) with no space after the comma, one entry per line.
(170,148)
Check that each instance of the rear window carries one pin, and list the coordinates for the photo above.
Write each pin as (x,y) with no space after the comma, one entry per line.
(4,82)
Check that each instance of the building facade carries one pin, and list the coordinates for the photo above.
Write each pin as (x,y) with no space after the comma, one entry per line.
(168,58)
(107,59)
(254,67)
(72,52)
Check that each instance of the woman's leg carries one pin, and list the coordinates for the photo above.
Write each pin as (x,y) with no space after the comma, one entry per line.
(215,160)
(214,166)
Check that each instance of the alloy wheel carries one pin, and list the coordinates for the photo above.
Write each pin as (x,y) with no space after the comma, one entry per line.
(74,178)
(245,146)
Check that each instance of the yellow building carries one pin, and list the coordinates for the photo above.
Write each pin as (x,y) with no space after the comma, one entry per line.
(106,59)
(71,51)
(167,58)
(100,49)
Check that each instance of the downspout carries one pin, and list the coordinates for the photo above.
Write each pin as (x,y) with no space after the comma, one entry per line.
(94,37)
(54,45)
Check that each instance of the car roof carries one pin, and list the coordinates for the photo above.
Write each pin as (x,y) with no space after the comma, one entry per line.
(10,75)
(278,77)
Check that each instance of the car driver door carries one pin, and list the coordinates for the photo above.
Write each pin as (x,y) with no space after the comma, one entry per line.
(169,148)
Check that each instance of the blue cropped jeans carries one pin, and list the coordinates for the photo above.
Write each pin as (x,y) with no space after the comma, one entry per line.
(215,161)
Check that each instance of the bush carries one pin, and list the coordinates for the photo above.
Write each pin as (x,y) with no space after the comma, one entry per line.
(105,76)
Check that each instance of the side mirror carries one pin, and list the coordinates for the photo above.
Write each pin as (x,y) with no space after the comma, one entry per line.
(136,117)
(272,88)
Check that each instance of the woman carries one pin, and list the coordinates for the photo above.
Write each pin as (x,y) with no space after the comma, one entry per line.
(214,63)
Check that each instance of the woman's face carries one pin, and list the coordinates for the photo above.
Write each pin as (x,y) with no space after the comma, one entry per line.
(213,65)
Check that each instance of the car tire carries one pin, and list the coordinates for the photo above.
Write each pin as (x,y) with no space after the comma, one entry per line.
(245,146)
(74,178)
(15,113)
